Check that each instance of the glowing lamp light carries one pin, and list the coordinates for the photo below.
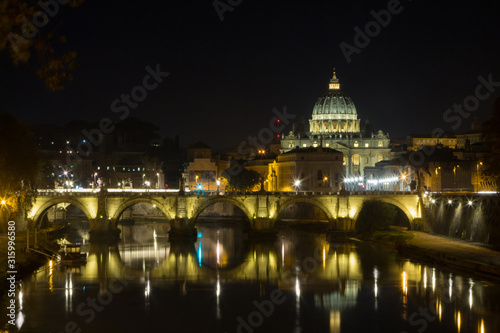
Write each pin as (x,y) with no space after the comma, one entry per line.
(470,203)
(297,183)
(450,202)
(433,201)
(3,202)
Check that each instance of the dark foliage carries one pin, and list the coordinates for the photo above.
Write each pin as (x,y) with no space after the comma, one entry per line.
(246,180)
(491,139)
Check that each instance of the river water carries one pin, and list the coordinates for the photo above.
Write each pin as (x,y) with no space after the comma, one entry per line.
(226,282)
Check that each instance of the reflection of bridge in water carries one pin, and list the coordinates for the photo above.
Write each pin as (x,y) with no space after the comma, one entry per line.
(332,272)
(103,208)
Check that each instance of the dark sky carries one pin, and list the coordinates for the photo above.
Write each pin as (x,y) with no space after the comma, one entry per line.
(227,76)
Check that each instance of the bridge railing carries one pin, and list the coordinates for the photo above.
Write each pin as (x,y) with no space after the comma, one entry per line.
(95,191)
(131,192)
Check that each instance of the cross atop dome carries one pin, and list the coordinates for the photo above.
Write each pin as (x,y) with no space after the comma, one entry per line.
(334,82)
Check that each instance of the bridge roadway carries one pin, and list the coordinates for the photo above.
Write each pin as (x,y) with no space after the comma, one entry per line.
(103,207)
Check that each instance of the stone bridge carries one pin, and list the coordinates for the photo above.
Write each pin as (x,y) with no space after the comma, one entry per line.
(103,207)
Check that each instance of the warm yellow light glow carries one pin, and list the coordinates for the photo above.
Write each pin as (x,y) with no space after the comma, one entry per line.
(405,283)
(335,86)
(324,257)
(482,326)
(3,202)
(458,321)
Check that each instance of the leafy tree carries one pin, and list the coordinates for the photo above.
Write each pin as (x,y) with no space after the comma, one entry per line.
(26,30)
(245,180)
(491,140)
(375,215)
(19,167)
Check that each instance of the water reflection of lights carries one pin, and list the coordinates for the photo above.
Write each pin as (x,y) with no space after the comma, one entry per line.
(471,284)
(334,321)
(20,315)
(21,299)
(51,276)
(458,321)
(433,279)
(425,277)
(297,287)
(481,328)
(69,292)
(147,291)
(297,305)
(199,254)
(217,292)
(450,282)
(405,283)
(218,253)
(282,254)
(405,295)
(375,278)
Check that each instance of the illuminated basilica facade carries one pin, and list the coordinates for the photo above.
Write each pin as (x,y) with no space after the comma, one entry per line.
(335,124)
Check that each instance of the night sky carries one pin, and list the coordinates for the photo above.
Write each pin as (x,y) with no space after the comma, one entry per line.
(227,76)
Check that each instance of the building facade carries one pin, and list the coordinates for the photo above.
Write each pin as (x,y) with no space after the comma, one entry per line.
(335,124)
(306,169)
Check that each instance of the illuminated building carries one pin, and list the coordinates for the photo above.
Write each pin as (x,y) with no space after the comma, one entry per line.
(306,169)
(335,124)
(204,169)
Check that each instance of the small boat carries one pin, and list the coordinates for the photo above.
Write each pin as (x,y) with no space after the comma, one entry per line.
(71,254)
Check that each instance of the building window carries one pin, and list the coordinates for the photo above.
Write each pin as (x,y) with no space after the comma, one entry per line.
(367,145)
(336,176)
(344,161)
(327,144)
(380,143)
(304,145)
(320,174)
(356,144)
(355,159)
(380,157)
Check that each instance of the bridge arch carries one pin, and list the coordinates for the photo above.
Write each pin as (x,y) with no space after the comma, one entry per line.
(312,201)
(390,201)
(130,202)
(40,211)
(215,200)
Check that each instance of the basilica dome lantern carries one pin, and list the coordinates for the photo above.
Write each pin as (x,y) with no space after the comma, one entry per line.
(334,112)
